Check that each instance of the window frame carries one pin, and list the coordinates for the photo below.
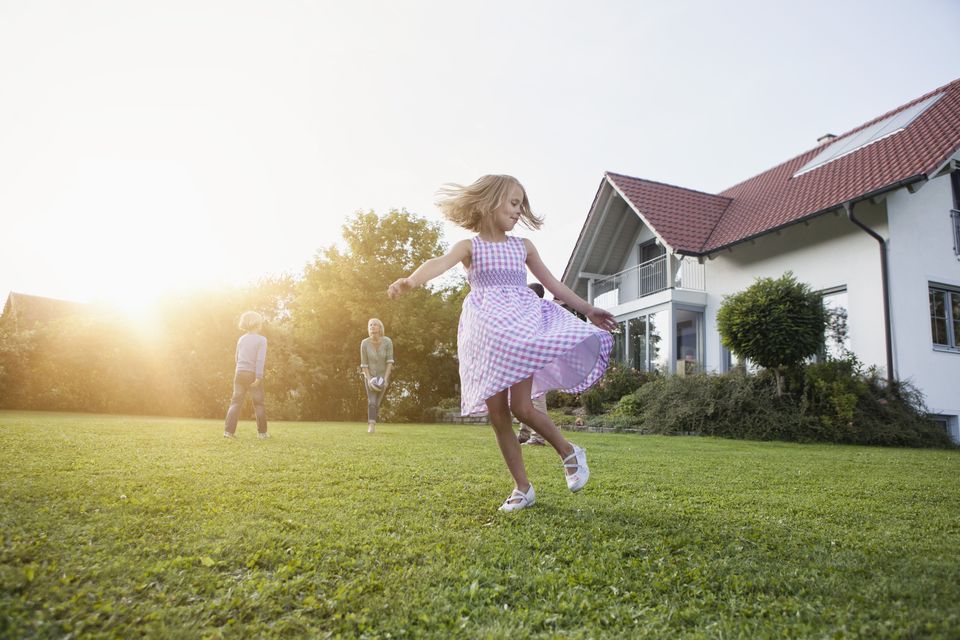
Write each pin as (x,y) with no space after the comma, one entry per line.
(953,339)
(955,219)
(659,249)
(845,349)
(955,211)
(950,424)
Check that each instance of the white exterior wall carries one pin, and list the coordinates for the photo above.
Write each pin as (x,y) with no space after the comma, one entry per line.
(921,252)
(831,252)
(828,252)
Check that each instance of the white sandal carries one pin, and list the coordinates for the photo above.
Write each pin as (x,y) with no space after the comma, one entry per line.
(523,500)
(576,460)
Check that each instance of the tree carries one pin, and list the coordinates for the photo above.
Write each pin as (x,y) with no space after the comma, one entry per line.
(343,288)
(181,360)
(775,323)
(17,349)
(178,361)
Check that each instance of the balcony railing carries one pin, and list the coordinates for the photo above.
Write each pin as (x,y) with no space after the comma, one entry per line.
(955,218)
(648,278)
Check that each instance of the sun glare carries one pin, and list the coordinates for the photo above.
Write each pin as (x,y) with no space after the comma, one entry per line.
(135,283)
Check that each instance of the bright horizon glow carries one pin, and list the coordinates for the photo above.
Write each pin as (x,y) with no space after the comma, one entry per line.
(157,147)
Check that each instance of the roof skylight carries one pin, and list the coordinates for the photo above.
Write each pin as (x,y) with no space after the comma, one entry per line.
(867,136)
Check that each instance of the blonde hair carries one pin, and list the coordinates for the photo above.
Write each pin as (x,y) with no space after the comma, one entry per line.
(250,321)
(468,206)
(379,323)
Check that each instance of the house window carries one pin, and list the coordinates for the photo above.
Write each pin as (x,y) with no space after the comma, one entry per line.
(949,424)
(649,250)
(836,339)
(729,361)
(945,316)
(687,327)
(638,343)
(644,342)
(619,343)
(657,349)
(726,359)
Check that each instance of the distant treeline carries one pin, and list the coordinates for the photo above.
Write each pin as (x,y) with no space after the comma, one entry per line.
(180,361)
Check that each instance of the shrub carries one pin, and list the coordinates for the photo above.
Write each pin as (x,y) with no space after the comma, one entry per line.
(731,406)
(561,418)
(613,421)
(832,402)
(775,323)
(446,405)
(619,381)
(670,405)
(829,393)
(560,400)
(592,401)
(854,407)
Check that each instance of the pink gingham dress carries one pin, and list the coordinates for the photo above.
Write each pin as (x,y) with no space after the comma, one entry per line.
(507,333)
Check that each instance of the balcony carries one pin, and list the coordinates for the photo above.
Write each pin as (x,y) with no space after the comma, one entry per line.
(661,273)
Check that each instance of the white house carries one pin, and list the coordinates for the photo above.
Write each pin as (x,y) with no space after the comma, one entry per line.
(870,218)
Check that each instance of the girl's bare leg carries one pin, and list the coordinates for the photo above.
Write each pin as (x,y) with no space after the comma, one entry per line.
(502,423)
(522,407)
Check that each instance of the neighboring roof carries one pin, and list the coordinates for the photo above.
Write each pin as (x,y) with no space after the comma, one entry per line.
(25,310)
(696,223)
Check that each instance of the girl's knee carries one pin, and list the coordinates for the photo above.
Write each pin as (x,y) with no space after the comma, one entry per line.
(522,410)
(501,419)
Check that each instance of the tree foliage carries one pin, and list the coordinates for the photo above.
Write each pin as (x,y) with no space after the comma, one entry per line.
(343,288)
(775,322)
(180,362)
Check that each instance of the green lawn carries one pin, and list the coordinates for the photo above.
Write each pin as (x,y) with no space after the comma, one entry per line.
(121,526)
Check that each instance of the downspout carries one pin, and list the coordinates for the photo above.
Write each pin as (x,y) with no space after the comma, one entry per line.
(884,280)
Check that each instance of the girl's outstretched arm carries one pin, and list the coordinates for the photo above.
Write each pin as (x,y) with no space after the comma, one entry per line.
(600,317)
(460,252)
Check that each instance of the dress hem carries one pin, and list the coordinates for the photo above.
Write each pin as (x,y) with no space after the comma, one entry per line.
(593,376)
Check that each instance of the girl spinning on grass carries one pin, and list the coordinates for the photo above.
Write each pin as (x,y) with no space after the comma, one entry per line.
(513,345)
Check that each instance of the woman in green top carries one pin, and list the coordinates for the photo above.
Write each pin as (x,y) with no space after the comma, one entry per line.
(376,361)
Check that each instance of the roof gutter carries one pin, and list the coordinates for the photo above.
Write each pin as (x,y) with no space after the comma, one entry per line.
(907,182)
(884,281)
(848,206)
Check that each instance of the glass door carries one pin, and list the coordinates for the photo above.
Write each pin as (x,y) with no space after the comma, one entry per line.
(688,333)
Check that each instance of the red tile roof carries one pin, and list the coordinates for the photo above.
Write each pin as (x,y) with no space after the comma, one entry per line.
(682,217)
(698,223)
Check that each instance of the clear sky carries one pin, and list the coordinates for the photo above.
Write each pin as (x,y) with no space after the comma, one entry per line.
(148,146)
